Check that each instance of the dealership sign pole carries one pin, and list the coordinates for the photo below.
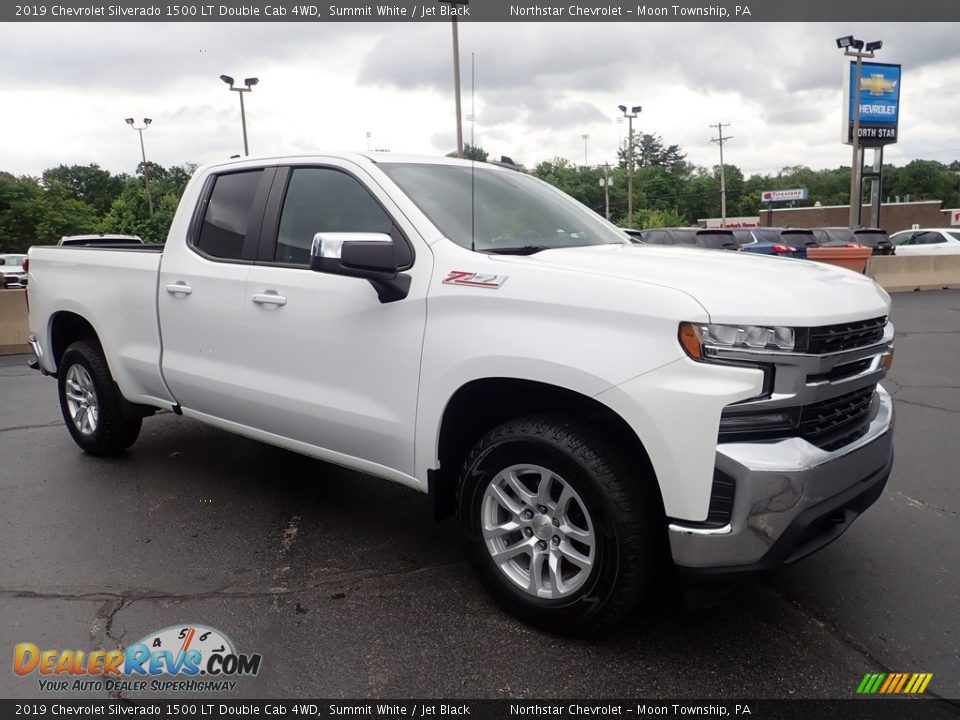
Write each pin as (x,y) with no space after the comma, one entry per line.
(870,118)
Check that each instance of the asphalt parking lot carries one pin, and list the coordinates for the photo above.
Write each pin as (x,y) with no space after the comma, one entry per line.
(348,589)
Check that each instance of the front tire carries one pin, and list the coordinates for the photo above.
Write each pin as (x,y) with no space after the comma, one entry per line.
(91,404)
(561,526)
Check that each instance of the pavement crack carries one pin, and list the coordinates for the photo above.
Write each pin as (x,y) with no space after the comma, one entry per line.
(952,411)
(31,427)
(920,504)
(125,599)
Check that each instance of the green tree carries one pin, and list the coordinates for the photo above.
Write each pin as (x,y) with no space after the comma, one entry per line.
(87,183)
(474,152)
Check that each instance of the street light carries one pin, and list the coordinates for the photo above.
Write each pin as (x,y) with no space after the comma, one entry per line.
(456,69)
(249,83)
(634,111)
(143,155)
(852,47)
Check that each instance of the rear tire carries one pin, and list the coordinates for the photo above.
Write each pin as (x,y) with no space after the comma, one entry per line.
(91,404)
(559,524)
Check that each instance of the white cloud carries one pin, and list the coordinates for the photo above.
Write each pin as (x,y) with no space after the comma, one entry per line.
(539,88)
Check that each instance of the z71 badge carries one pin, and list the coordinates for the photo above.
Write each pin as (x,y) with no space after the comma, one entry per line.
(463,277)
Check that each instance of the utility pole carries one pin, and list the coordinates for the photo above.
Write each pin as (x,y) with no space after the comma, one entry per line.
(634,111)
(456,69)
(723,176)
(606,189)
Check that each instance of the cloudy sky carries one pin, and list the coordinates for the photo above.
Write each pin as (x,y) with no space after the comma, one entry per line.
(539,88)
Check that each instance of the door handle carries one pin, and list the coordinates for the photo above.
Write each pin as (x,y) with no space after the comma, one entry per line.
(269,298)
(179,289)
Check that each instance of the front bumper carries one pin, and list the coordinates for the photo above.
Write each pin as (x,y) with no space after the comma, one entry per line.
(792,498)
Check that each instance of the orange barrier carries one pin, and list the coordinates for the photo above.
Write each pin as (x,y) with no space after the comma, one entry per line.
(850,258)
(13,322)
(915,272)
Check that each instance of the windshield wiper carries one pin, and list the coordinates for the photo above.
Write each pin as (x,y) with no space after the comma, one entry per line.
(518,250)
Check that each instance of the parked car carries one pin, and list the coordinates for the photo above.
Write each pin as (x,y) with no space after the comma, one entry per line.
(874,238)
(783,242)
(712,238)
(11,268)
(928,241)
(101,239)
(586,407)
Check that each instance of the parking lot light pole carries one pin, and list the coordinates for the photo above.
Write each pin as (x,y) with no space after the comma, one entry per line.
(852,47)
(143,155)
(249,82)
(634,111)
(456,71)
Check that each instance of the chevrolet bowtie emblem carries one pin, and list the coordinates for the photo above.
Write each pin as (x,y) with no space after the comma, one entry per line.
(877,84)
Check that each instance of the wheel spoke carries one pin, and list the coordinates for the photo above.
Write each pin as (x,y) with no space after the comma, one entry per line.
(76,396)
(536,572)
(575,556)
(519,488)
(504,499)
(495,531)
(508,553)
(576,533)
(543,490)
(555,580)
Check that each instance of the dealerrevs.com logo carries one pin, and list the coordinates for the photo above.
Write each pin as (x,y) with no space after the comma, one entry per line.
(186,658)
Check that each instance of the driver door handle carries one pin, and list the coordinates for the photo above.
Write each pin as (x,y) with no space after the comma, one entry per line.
(269,298)
(179,289)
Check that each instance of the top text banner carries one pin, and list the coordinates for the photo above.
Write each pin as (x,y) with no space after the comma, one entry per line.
(479,11)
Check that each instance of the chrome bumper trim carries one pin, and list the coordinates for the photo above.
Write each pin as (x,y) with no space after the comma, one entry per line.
(777,482)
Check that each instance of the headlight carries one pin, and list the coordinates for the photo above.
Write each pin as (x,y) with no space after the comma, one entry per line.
(697,339)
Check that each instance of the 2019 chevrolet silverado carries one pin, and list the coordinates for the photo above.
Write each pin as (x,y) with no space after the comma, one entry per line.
(583,405)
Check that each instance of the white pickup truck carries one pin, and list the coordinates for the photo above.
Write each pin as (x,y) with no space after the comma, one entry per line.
(585,406)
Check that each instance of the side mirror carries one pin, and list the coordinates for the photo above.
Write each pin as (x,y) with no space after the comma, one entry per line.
(371,256)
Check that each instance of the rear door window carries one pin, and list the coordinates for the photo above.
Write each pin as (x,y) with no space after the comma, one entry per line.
(227,220)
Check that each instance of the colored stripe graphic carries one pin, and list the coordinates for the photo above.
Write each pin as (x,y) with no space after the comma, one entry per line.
(894,683)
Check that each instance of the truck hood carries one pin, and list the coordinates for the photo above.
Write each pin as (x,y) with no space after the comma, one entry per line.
(732,286)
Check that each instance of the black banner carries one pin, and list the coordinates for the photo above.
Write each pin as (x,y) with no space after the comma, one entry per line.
(479,11)
(872,709)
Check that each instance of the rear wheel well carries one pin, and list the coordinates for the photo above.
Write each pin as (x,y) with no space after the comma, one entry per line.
(67,328)
(481,405)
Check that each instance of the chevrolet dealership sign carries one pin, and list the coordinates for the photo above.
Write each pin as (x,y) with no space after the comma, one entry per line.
(879,103)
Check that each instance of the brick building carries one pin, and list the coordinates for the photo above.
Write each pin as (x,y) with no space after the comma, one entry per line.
(893,216)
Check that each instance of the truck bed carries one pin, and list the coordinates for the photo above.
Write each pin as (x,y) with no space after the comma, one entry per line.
(115,289)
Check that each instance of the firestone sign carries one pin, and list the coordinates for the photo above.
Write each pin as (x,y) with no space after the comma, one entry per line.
(879,103)
(772,196)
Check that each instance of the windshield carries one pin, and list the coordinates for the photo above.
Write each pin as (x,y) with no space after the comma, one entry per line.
(844,235)
(716,240)
(510,212)
(871,238)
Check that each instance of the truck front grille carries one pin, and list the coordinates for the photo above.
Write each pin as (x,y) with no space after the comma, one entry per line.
(833,423)
(845,336)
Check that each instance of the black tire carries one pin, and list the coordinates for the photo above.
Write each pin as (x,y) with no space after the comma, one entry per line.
(622,501)
(114,431)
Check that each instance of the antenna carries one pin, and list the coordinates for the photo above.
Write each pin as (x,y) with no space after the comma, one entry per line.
(473,153)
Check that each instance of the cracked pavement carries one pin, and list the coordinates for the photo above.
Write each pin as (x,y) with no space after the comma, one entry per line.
(348,589)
